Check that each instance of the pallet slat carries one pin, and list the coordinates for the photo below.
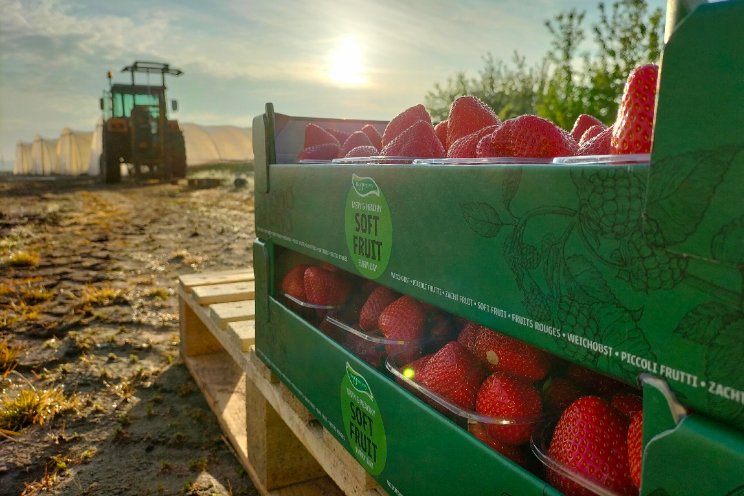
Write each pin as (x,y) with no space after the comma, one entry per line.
(188,281)
(243,332)
(225,293)
(224,313)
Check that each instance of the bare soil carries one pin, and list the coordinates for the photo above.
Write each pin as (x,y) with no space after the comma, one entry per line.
(97,318)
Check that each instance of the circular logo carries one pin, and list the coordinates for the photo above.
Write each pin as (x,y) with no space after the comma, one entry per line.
(369,229)
(363,422)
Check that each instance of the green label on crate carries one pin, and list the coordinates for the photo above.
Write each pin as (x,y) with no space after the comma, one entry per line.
(369,229)
(363,422)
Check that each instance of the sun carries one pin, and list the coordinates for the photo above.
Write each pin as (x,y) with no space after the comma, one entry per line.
(346,68)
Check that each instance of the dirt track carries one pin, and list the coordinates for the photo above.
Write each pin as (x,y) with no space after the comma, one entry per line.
(97,318)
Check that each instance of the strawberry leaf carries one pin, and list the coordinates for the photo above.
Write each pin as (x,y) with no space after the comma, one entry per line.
(681,187)
(482,219)
(703,322)
(510,184)
(724,365)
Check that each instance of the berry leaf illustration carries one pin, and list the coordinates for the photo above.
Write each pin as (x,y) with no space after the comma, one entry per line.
(681,186)
(510,184)
(703,323)
(587,281)
(727,244)
(724,365)
(482,219)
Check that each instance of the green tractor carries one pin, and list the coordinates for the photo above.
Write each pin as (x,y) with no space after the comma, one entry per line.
(137,131)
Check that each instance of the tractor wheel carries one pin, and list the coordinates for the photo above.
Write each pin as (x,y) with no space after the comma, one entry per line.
(177,155)
(109,162)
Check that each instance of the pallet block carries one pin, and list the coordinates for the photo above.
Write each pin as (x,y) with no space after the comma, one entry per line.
(283,448)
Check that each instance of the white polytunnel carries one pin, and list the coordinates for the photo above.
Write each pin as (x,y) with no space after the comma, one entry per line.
(213,144)
(22,164)
(43,156)
(73,152)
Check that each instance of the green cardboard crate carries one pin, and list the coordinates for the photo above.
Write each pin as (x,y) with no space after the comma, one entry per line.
(627,269)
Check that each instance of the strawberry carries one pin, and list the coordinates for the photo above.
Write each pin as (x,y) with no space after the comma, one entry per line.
(468,334)
(403,320)
(483,148)
(531,136)
(505,396)
(597,145)
(419,140)
(592,381)
(501,352)
(517,454)
(378,299)
(326,287)
(356,138)
(326,151)
(467,115)
(373,134)
(559,392)
(440,328)
(454,374)
(590,439)
(591,133)
(635,447)
(413,369)
(362,151)
(369,351)
(293,283)
(316,135)
(466,146)
(341,136)
(584,122)
(626,403)
(634,127)
(441,131)
(403,121)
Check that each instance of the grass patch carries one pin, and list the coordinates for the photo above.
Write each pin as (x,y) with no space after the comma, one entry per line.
(31,406)
(8,358)
(23,258)
(157,294)
(101,297)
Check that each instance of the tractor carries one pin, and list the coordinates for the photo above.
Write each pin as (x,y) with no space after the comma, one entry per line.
(137,131)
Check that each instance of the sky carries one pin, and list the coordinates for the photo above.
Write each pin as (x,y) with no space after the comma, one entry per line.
(321,58)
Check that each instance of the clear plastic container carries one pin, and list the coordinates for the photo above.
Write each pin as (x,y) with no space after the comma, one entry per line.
(377,160)
(629,159)
(483,161)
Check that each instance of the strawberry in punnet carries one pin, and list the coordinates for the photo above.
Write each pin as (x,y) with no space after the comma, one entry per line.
(413,369)
(584,122)
(440,328)
(403,320)
(293,283)
(441,131)
(483,148)
(454,374)
(326,287)
(467,115)
(531,136)
(599,144)
(634,127)
(505,396)
(403,121)
(326,151)
(419,140)
(591,440)
(501,352)
(341,136)
(466,146)
(594,382)
(373,134)
(369,351)
(356,138)
(316,135)
(591,133)
(468,335)
(626,403)
(362,151)
(376,302)
(516,454)
(559,392)
(635,448)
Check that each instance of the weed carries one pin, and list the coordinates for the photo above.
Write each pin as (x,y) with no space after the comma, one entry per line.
(8,358)
(45,484)
(23,258)
(198,465)
(31,406)
(157,294)
(99,297)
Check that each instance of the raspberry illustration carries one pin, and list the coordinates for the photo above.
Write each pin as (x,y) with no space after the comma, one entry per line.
(577,319)
(611,201)
(648,267)
(536,303)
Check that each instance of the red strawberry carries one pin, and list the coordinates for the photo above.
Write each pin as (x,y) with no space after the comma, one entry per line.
(635,447)
(441,131)
(326,287)
(597,145)
(413,369)
(378,299)
(454,374)
(357,138)
(373,134)
(592,381)
(634,127)
(591,439)
(591,133)
(403,320)
(341,136)
(501,352)
(559,392)
(484,148)
(516,454)
(468,334)
(584,122)
(326,151)
(369,351)
(626,403)
(293,283)
(316,135)
(467,115)
(403,121)
(440,327)
(466,147)
(419,140)
(505,396)
(531,136)
(362,151)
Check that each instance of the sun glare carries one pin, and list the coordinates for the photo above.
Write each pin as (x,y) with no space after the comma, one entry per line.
(346,63)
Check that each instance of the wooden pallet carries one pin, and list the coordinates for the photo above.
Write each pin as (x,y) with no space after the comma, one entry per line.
(283,448)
